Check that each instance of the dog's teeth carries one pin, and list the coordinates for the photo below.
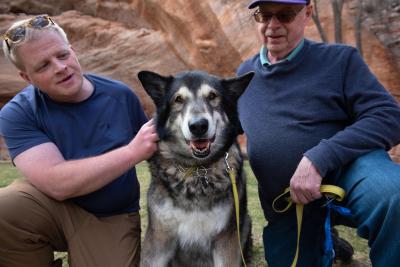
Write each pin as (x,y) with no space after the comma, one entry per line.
(200,144)
(200,147)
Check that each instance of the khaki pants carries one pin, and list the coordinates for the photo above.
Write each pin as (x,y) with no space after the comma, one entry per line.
(33,226)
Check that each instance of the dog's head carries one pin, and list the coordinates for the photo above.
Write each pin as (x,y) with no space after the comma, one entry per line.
(197,118)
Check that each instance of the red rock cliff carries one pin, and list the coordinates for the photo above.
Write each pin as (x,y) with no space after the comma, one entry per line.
(120,38)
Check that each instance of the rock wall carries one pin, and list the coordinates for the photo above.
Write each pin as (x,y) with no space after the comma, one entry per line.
(382,18)
(120,38)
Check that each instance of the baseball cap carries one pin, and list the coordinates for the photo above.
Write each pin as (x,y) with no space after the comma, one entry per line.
(253,4)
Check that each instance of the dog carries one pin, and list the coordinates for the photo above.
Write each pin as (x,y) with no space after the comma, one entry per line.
(190,204)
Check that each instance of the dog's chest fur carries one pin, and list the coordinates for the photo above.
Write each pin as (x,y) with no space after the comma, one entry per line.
(193,227)
(193,203)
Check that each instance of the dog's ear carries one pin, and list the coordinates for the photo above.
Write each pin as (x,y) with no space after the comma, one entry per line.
(155,85)
(236,86)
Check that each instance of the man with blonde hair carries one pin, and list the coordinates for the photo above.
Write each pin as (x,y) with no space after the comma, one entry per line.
(76,139)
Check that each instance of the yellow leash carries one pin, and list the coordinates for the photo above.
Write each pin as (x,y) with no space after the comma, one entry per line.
(236,199)
(330,191)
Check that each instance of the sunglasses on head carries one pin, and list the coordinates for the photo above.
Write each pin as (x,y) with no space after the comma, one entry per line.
(285,16)
(17,34)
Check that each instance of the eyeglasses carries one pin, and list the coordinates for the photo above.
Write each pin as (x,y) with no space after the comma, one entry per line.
(283,16)
(17,34)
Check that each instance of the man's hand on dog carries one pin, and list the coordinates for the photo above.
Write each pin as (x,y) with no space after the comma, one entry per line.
(305,183)
(145,142)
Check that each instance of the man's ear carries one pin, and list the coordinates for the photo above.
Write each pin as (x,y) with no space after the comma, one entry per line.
(309,10)
(25,76)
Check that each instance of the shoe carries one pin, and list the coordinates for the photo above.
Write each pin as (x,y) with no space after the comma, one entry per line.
(343,249)
(57,263)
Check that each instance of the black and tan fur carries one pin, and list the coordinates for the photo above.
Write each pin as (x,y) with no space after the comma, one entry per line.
(191,214)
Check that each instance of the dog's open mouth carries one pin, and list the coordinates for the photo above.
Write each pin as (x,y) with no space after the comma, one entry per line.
(201,147)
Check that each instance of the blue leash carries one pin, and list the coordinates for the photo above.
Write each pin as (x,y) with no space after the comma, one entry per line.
(329,252)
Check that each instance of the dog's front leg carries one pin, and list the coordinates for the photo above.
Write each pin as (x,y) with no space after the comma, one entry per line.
(227,251)
(158,249)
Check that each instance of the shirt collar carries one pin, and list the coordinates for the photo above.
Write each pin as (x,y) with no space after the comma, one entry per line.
(264,58)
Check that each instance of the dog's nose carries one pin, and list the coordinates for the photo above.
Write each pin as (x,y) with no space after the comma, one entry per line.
(198,126)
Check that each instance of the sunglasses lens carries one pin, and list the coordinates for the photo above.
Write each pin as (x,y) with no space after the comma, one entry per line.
(262,17)
(39,22)
(17,34)
(283,17)
(286,17)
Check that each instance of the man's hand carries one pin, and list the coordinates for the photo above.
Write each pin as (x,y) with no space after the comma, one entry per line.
(145,142)
(305,183)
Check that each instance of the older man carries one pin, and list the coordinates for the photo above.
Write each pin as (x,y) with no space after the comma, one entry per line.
(315,114)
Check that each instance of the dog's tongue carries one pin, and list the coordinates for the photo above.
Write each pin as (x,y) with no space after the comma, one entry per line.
(200,144)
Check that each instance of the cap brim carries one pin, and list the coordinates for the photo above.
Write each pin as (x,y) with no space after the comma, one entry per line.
(256,3)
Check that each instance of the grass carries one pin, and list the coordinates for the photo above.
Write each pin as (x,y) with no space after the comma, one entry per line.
(8,173)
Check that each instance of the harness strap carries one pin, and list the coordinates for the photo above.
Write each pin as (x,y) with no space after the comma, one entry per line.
(189,172)
(332,193)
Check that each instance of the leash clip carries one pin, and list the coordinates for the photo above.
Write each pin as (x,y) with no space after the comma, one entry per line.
(329,200)
(228,168)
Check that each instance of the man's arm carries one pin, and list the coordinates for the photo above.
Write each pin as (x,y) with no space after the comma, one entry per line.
(374,123)
(373,119)
(45,167)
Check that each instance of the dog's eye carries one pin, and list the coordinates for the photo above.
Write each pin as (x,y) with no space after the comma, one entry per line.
(179,99)
(212,96)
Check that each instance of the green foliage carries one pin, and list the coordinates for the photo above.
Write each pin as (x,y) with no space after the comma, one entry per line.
(8,173)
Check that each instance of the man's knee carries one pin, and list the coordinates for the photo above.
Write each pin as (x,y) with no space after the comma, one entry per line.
(373,160)
(375,172)
(24,214)
(11,200)
(373,185)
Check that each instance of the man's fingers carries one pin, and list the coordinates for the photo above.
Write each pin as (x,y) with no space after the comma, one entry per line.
(303,193)
(316,195)
(300,198)
(154,137)
(149,122)
(304,196)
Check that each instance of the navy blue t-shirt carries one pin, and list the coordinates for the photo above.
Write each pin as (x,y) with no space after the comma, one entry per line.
(108,119)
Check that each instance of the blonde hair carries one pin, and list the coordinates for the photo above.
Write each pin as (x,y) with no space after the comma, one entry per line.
(11,50)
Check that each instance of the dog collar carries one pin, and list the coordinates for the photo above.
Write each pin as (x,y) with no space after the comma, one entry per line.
(195,171)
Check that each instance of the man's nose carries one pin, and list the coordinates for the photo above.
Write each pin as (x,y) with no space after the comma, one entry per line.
(274,22)
(59,66)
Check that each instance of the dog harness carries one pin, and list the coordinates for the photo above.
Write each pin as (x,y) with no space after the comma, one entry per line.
(331,193)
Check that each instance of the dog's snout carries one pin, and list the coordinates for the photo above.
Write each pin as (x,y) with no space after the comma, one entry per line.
(198,126)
